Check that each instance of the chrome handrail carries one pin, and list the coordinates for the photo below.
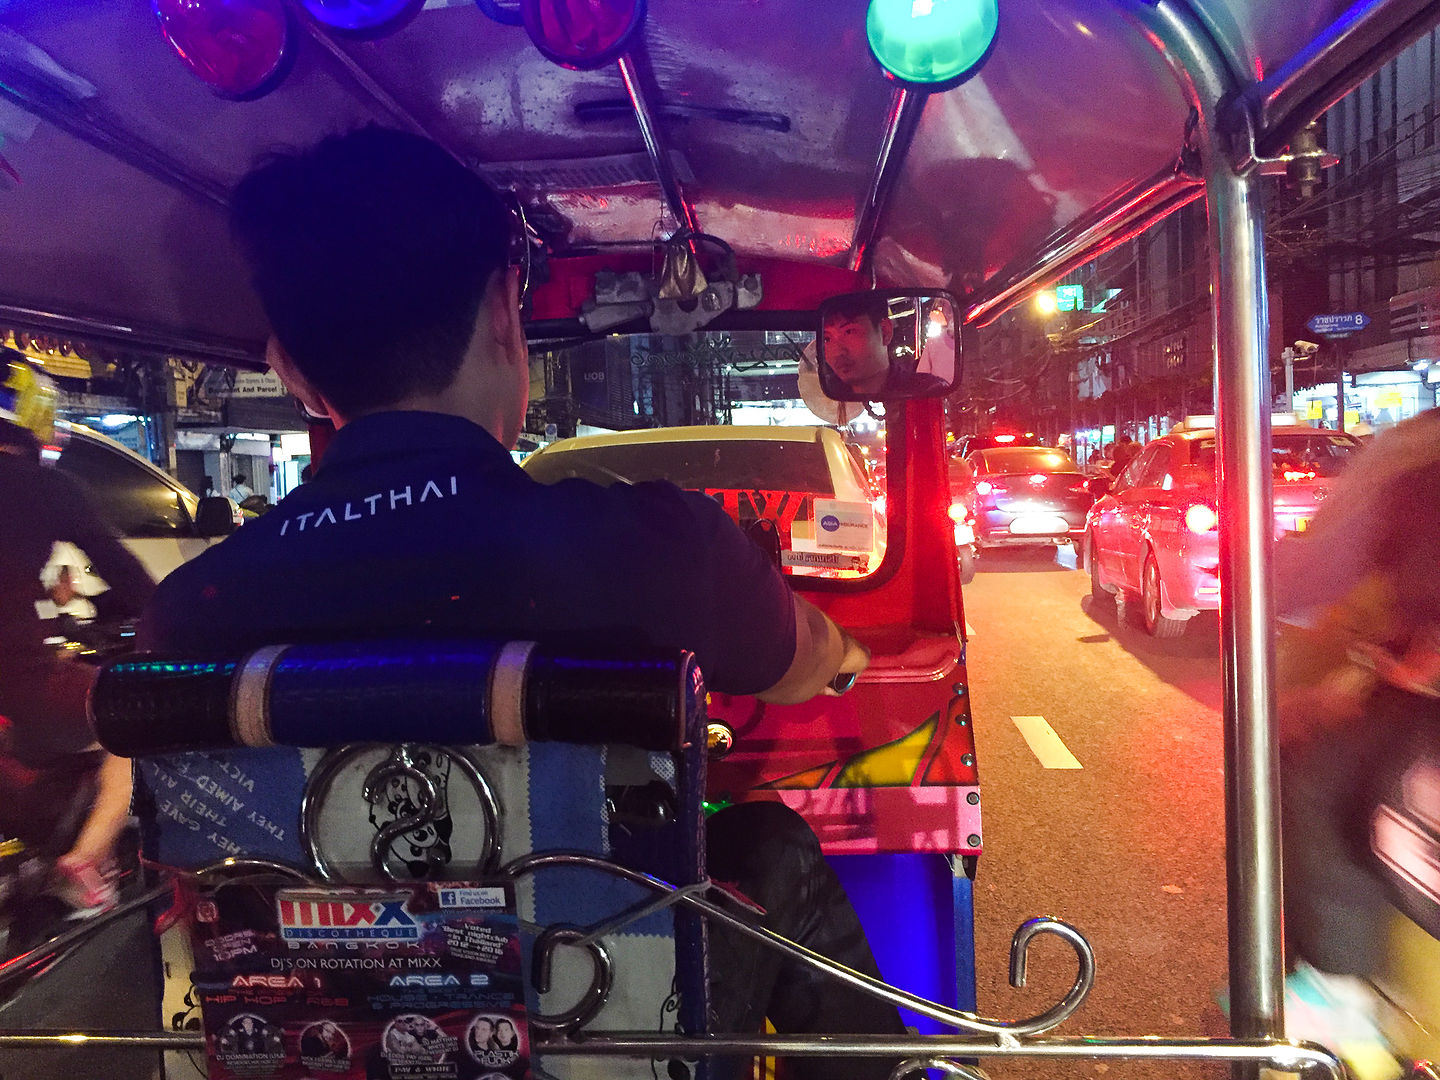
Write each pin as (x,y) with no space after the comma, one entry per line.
(964,1021)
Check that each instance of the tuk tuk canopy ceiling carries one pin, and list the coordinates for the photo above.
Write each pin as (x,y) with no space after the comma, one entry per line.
(773,110)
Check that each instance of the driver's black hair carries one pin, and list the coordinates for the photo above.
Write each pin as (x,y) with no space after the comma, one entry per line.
(872,306)
(371,252)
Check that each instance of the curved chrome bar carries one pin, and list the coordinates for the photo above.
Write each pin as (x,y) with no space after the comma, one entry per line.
(963,1021)
(593,1000)
(258,867)
(944,1065)
(1025,933)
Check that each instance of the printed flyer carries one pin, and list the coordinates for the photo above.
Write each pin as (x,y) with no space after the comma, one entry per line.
(404,983)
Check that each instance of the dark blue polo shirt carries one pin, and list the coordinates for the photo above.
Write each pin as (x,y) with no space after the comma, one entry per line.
(423,522)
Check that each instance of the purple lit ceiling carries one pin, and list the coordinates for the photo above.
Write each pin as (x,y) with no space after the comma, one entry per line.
(773,108)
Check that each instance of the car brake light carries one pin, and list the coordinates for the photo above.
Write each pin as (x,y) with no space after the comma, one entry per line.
(1201,519)
(957,512)
(1004,438)
(1295,475)
(984,487)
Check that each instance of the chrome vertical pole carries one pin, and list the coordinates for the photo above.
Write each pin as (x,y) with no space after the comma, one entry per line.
(645,115)
(906,108)
(1242,376)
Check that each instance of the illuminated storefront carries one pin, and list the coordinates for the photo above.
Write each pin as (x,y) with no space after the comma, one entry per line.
(1374,400)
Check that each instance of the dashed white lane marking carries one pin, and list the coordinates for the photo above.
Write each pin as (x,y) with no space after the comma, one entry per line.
(1045,744)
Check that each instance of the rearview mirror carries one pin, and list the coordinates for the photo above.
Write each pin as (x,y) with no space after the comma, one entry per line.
(888,345)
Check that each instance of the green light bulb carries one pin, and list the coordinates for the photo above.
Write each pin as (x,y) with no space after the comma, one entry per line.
(929,42)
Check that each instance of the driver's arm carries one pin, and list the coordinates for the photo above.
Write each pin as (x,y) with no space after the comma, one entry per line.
(752,634)
(822,651)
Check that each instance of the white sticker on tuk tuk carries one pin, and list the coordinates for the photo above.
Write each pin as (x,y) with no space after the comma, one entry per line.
(845,526)
(825,560)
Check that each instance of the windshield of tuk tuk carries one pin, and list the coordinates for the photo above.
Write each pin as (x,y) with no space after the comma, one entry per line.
(729,415)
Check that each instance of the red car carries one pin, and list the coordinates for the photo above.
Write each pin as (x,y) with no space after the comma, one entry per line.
(1154,535)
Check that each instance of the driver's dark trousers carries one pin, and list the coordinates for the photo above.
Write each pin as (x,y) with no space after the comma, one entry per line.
(768,851)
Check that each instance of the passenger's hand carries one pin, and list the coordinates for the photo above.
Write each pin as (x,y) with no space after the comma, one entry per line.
(63,591)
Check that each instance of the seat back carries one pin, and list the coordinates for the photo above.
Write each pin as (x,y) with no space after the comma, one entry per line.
(411,761)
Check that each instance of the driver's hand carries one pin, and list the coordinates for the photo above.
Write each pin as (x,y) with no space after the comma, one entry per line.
(857,656)
(855,660)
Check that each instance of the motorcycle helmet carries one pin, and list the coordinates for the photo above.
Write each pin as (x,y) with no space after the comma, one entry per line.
(27,397)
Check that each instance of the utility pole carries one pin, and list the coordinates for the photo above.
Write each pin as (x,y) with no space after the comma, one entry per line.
(1339,385)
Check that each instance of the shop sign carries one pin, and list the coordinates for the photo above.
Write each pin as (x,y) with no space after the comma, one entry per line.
(1316,411)
(1389,399)
(257,384)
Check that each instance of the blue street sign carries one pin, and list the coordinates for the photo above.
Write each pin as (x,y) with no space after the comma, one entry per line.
(1338,325)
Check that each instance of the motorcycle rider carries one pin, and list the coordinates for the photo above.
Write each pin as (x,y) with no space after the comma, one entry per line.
(1358,709)
(383,266)
(42,695)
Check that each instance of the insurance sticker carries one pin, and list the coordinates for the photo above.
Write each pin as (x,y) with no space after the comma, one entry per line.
(845,526)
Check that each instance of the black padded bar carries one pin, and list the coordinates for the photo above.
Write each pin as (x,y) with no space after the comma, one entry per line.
(453,691)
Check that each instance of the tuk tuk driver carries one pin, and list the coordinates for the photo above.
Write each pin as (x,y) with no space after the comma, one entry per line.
(382,265)
(858,331)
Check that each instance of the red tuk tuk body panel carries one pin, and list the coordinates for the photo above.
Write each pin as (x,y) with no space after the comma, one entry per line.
(889,766)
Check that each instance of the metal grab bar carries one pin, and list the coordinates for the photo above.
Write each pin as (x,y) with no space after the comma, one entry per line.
(927,1049)
(1276,1053)
(19,968)
(964,1021)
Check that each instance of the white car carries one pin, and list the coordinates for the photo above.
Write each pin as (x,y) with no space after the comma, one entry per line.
(160,520)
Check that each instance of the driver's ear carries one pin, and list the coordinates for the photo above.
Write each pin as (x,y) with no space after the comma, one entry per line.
(507,328)
(887,331)
(295,381)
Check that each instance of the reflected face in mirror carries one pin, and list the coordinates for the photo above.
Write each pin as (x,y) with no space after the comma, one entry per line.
(857,344)
(887,345)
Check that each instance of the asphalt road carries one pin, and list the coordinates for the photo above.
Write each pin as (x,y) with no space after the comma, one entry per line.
(1124,836)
